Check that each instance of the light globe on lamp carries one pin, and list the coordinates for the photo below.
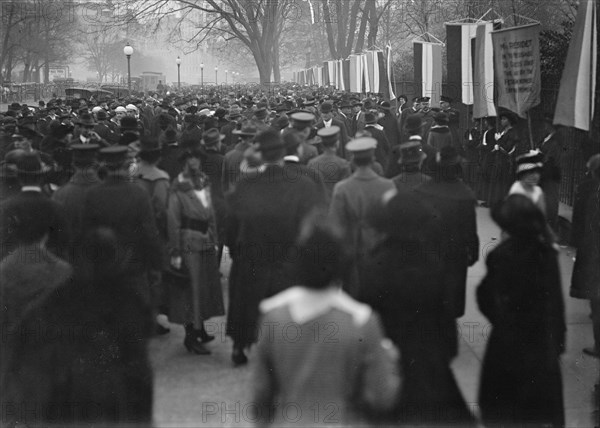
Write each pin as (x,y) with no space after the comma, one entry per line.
(128,51)
(178,62)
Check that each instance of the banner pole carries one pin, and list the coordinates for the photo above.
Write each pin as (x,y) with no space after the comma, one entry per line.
(531,146)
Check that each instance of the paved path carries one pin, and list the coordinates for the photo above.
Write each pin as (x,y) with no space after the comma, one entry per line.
(194,391)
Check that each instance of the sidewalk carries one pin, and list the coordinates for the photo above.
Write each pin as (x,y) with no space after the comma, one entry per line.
(192,391)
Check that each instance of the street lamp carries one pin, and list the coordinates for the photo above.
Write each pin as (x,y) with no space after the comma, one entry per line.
(225,76)
(202,75)
(128,51)
(216,73)
(178,61)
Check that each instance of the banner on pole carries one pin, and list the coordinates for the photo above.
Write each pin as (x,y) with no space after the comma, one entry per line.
(575,104)
(428,69)
(483,73)
(517,66)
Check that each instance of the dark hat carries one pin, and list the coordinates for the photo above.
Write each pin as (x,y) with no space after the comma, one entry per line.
(368,104)
(310,101)
(128,137)
(413,123)
(212,137)
(114,154)
(269,139)
(86,119)
(84,152)
(27,122)
(191,109)
(220,112)
(362,146)
(30,163)
(346,104)
(282,122)
(446,99)
(261,113)
(441,118)
(509,115)
(169,136)
(330,135)
(530,161)
(235,115)
(370,118)
(9,165)
(302,120)
(129,123)
(148,145)
(102,115)
(385,105)
(14,106)
(411,150)
(191,118)
(424,99)
(248,130)
(326,107)
(8,120)
(448,156)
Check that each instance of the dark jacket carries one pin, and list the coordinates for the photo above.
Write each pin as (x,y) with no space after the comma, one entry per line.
(343,139)
(126,208)
(521,296)
(264,215)
(91,365)
(459,241)
(390,127)
(382,151)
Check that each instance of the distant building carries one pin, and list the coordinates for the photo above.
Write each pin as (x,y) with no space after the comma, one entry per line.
(150,79)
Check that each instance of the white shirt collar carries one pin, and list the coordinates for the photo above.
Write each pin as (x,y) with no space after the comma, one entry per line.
(327,123)
(31,189)
(291,158)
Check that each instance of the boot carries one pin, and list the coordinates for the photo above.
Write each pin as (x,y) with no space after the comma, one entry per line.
(204,336)
(237,356)
(191,342)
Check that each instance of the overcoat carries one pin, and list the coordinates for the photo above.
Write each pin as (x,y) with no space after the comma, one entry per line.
(521,296)
(502,166)
(459,243)
(585,282)
(186,215)
(264,216)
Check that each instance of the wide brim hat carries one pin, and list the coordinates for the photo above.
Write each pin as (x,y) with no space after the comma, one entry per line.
(86,120)
(385,105)
(529,162)
(30,163)
(261,113)
(212,137)
(149,145)
(247,130)
(269,140)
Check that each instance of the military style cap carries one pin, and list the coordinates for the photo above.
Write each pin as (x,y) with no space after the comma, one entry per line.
(114,154)
(446,99)
(329,135)
(424,99)
(83,152)
(362,144)
(302,116)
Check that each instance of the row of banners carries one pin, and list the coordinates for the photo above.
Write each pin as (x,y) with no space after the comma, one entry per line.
(365,72)
(481,57)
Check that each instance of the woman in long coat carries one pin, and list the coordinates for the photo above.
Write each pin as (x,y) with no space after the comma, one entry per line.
(502,163)
(406,286)
(521,383)
(193,245)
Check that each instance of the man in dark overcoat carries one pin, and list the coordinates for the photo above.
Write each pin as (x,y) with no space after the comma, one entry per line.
(552,149)
(327,121)
(382,151)
(459,242)
(71,196)
(124,207)
(389,123)
(264,215)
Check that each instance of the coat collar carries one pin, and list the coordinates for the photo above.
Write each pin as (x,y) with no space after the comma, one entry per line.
(306,304)
(365,173)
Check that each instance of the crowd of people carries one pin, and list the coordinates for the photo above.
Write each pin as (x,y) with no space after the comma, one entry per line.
(356,214)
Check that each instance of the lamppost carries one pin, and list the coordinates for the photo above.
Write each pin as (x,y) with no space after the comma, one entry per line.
(216,74)
(202,75)
(178,61)
(225,76)
(128,51)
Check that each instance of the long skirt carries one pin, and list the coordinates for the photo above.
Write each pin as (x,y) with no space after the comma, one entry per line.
(199,296)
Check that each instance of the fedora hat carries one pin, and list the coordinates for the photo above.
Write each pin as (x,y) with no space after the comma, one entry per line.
(413,123)
(212,137)
(86,119)
(385,105)
(248,130)
(149,145)
(30,163)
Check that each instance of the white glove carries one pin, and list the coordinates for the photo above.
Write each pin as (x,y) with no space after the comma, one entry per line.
(176,262)
(496,147)
(497,136)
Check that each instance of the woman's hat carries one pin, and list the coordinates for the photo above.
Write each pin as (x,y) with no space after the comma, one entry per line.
(414,123)
(531,161)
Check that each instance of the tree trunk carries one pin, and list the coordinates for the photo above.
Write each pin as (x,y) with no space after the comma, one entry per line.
(360,39)
(329,28)
(276,68)
(373,24)
(352,27)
